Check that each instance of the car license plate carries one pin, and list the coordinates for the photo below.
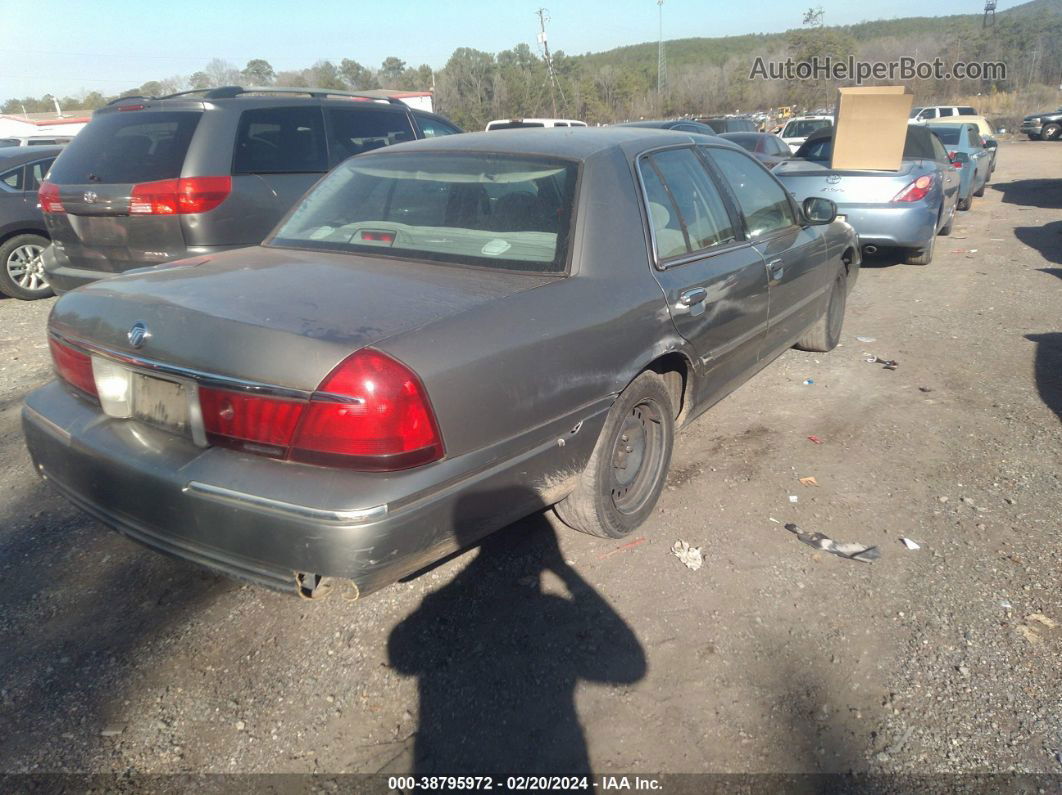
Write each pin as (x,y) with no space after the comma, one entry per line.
(162,403)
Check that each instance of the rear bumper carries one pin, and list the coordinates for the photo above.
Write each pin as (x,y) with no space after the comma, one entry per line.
(63,276)
(263,520)
(909,226)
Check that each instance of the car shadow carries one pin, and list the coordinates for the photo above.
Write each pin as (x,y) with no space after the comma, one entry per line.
(1046,239)
(1047,369)
(884,258)
(500,649)
(1043,193)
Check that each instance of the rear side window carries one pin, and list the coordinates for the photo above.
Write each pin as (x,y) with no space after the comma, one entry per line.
(947,111)
(354,131)
(280,141)
(762,199)
(967,112)
(37,171)
(125,147)
(13,178)
(685,209)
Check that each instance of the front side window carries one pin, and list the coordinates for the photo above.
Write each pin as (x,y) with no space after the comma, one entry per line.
(355,131)
(433,127)
(762,199)
(685,208)
(280,141)
(469,209)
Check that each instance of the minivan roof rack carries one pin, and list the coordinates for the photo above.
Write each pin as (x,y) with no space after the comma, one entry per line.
(228,92)
(116,100)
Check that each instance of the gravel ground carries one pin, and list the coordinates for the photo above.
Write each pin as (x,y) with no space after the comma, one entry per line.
(547,650)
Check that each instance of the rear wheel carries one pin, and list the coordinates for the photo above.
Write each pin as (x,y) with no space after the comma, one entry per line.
(1051,132)
(826,333)
(628,468)
(922,256)
(965,204)
(981,190)
(21,270)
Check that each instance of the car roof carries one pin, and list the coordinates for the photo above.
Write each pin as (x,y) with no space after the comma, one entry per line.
(11,156)
(572,143)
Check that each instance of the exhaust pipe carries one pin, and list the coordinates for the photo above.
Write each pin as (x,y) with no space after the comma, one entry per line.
(315,586)
(869,249)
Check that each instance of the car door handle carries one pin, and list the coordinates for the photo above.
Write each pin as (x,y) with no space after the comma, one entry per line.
(692,297)
(776,268)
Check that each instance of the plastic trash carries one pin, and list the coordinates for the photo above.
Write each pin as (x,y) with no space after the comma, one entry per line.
(858,552)
(809,481)
(866,340)
(889,364)
(794,498)
(911,544)
(808,382)
(815,440)
(690,556)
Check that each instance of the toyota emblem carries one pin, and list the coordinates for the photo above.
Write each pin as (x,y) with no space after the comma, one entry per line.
(833,179)
(138,334)
(90,196)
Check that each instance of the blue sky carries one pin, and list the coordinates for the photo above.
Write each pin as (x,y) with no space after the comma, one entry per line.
(111,45)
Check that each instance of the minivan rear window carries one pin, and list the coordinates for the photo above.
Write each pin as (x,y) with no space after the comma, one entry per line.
(125,147)
(493,211)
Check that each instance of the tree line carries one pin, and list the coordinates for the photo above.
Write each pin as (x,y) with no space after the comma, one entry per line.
(705,76)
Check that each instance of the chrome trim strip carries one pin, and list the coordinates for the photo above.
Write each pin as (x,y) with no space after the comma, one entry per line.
(203,378)
(339,517)
(40,419)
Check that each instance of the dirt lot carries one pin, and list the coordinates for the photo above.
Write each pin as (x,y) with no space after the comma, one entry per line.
(546,650)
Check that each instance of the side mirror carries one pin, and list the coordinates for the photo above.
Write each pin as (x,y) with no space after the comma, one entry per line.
(819,211)
(991,143)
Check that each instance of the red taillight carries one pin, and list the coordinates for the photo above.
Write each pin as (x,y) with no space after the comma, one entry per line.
(916,191)
(48,196)
(371,412)
(179,196)
(73,366)
(955,160)
(130,107)
(252,422)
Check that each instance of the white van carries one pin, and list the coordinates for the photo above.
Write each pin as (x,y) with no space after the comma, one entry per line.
(518,124)
(931,112)
(798,129)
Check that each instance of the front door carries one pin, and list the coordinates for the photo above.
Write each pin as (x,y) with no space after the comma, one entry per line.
(713,278)
(793,253)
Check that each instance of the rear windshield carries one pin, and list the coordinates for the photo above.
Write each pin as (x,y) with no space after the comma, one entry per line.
(486,210)
(513,125)
(947,135)
(917,146)
(804,127)
(131,146)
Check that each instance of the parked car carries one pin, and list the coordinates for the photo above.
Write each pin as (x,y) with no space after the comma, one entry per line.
(35,140)
(682,125)
(725,124)
(971,157)
(442,337)
(906,209)
(984,128)
(519,124)
(23,235)
(797,130)
(151,180)
(768,149)
(1046,125)
(920,115)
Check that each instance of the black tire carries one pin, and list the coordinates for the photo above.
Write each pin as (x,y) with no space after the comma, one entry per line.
(1051,132)
(610,500)
(981,191)
(1034,137)
(824,335)
(965,204)
(21,272)
(922,256)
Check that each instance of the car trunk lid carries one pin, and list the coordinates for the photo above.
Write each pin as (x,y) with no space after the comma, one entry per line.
(275,316)
(809,178)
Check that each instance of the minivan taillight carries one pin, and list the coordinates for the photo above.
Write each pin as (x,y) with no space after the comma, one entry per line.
(179,196)
(916,191)
(370,413)
(48,196)
(73,366)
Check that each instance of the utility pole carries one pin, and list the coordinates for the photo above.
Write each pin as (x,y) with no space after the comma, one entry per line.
(661,59)
(542,19)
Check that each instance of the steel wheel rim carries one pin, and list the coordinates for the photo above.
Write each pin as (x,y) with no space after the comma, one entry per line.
(25,269)
(637,457)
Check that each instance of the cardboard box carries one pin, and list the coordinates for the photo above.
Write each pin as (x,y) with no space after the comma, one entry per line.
(871,127)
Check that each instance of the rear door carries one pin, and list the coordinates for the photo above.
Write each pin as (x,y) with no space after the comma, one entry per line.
(96,174)
(794,254)
(714,280)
